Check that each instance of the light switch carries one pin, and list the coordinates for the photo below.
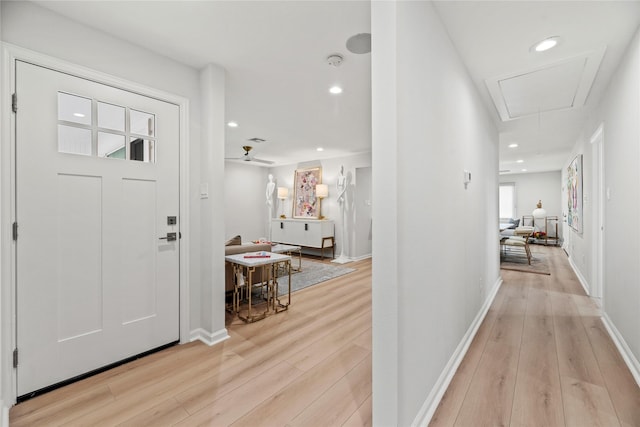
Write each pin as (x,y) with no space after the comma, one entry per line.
(204,190)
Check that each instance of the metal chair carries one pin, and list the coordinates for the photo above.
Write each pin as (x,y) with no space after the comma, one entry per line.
(520,239)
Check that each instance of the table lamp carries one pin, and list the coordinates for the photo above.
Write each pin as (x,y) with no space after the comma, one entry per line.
(322,191)
(283,193)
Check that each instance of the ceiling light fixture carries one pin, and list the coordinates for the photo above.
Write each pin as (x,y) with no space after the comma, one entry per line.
(335,90)
(319,149)
(519,161)
(513,145)
(524,170)
(232,124)
(546,44)
(78,114)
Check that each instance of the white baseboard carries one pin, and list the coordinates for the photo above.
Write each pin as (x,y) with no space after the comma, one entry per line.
(5,415)
(360,258)
(433,400)
(583,281)
(623,348)
(209,338)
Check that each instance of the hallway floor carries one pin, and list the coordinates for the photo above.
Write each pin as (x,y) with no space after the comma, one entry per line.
(542,357)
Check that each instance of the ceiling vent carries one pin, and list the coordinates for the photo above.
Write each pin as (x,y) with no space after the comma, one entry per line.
(557,86)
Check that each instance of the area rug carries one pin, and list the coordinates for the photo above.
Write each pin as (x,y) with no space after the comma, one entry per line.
(312,273)
(519,263)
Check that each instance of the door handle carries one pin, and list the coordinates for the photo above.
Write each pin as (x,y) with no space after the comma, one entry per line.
(170,237)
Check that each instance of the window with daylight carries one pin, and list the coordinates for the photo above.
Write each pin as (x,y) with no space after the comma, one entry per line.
(507,200)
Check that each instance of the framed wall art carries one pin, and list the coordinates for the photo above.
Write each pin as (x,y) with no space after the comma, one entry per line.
(305,202)
(574,194)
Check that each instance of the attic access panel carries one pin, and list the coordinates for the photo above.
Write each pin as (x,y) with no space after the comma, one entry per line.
(552,88)
(560,85)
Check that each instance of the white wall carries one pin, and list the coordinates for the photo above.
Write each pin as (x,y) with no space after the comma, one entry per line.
(531,187)
(620,113)
(245,208)
(435,244)
(29,26)
(579,245)
(5,248)
(330,207)
(363,218)
(211,228)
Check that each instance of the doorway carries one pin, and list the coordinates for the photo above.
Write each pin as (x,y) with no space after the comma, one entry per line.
(97,212)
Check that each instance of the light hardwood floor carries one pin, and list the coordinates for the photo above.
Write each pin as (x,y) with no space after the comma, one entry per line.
(310,365)
(542,357)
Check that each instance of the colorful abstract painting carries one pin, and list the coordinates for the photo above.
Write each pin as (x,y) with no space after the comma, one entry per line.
(574,194)
(305,202)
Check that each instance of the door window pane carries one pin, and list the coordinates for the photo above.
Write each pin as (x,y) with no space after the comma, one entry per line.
(142,123)
(72,108)
(143,150)
(74,140)
(111,116)
(106,136)
(111,145)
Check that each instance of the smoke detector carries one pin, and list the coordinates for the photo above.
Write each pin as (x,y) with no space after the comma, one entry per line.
(335,60)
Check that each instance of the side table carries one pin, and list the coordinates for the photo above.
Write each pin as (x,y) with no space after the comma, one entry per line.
(244,267)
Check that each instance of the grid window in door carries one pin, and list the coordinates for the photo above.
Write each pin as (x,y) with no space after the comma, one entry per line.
(95,128)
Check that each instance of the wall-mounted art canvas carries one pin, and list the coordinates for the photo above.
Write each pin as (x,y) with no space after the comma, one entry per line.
(574,194)
(305,202)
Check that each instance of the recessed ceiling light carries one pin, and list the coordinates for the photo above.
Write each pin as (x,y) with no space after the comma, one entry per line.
(335,90)
(232,124)
(78,114)
(546,44)
(513,145)
(523,170)
(319,149)
(519,161)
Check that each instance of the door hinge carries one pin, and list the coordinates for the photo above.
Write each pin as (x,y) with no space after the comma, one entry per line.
(14,102)
(179,234)
(15,231)
(15,357)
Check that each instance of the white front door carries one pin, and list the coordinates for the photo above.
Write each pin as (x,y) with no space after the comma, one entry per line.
(97,182)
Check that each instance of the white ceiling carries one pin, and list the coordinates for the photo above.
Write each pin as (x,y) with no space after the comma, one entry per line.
(278,80)
(275,56)
(494,40)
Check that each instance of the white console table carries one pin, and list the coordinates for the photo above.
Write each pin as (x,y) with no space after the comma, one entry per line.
(310,233)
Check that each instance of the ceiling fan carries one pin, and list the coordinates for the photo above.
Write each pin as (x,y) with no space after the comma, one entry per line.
(247,157)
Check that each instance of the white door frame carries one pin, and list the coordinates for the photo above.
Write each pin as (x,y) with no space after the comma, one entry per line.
(11,54)
(597,209)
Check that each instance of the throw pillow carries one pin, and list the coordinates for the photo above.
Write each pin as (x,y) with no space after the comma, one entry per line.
(234,241)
